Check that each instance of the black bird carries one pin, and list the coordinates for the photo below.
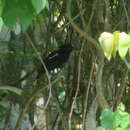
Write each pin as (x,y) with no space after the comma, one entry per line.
(56,59)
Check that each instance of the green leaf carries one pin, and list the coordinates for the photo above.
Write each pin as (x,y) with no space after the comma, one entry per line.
(107,118)
(9,14)
(123,47)
(39,5)
(18,10)
(125,122)
(127,128)
(1,23)
(25,13)
(119,129)
(106,41)
(117,118)
(1,6)
(123,51)
(100,128)
(124,44)
(121,107)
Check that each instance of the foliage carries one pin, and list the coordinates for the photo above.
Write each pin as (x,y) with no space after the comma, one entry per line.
(22,11)
(118,120)
(111,43)
(48,24)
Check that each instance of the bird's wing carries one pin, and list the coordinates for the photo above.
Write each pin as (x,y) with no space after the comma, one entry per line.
(51,56)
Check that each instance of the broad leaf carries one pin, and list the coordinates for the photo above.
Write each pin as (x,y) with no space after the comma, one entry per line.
(9,14)
(18,10)
(124,44)
(39,5)
(107,119)
(26,13)
(1,23)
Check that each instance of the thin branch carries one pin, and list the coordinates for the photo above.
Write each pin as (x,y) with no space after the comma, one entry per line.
(60,110)
(13,89)
(42,113)
(29,101)
(39,56)
(127,63)
(81,32)
(87,91)
(47,74)
(126,12)
(92,13)
(41,60)
(77,90)
(81,13)
(123,86)
(24,77)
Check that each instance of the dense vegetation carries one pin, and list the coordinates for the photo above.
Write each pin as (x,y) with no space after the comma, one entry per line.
(74,96)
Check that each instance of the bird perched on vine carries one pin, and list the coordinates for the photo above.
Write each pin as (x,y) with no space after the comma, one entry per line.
(56,59)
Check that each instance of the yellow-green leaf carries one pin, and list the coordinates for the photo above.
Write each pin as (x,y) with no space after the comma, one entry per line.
(106,42)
